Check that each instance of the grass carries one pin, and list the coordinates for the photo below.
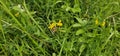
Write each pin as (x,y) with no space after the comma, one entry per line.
(87,28)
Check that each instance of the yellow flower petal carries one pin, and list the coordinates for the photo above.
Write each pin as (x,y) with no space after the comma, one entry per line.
(52,25)
(17,14)
(59,23)
(96,21)
(103,23)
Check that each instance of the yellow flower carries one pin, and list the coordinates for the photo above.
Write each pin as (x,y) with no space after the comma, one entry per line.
(17,14)
(59,23)
(96,21)
(103,23)
(52,25)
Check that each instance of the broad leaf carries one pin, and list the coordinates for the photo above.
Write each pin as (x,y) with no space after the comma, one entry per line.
(76,25)
(80,31)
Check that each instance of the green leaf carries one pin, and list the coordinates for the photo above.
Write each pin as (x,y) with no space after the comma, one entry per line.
(76,25)
(18,8)
(82,49)
(79,19)
(81,39)
(90,34)
(53,54)
(66,7)
(32,12)
(116,3)
(74,10)
(80,31)
(82,22)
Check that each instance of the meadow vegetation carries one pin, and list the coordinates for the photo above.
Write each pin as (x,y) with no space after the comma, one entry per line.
(59,27)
